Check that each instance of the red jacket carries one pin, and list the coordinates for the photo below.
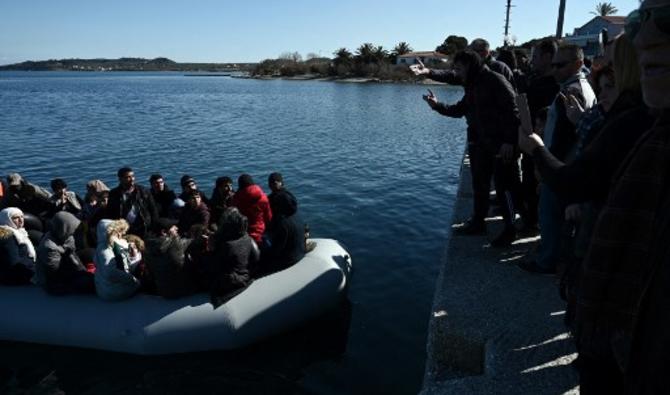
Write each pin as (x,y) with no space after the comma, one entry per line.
(254,204)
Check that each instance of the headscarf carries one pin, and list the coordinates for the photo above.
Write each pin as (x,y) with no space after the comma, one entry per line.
(97,185)
(20,234)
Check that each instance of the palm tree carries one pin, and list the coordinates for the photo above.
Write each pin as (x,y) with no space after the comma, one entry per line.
(342,57)
(366,53)
(604,9)
(380,54)
(401,49)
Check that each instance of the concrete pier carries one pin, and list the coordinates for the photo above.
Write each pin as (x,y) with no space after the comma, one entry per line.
(495,329)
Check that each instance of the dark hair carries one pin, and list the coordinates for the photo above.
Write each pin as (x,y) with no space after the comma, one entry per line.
(508,57)
(284,204)
(588,62)
(155,177)
(232,224)
(520,53)
(572,49)
(185,180)
(192,193)
(123,171)
(244,181)
(275,177)
(469,58)
(479,44)
(221,181)
(547,46)
(58,183)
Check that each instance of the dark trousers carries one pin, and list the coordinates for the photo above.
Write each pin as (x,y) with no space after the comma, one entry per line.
(529,193)
(506,176)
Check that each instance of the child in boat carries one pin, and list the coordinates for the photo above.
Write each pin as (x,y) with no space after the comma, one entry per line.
(114,279)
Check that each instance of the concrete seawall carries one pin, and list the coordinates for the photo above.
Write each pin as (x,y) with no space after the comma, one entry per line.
(495,329)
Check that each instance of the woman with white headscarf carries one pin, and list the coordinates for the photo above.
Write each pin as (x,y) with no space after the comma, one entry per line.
(17,253)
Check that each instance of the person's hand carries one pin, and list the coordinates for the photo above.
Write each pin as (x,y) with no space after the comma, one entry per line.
(506,152)
(419,68)
(573,109)
(528,142)
(431,99)
(573,213)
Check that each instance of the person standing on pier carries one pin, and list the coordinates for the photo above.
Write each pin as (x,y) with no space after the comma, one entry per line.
(493,118)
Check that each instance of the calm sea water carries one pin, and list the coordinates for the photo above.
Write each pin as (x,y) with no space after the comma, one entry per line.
(371,166)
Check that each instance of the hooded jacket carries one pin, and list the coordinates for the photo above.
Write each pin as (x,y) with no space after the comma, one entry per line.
(285,236)
(165,258)
(254,204)
(111,282)
(56,257)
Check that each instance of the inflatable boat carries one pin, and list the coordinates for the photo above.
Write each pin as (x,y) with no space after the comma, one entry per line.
(151,325)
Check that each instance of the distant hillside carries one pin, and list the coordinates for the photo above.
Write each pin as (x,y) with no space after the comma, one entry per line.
(125,64)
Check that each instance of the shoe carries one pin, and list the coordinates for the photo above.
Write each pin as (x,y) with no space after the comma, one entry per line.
(471,227)
(533,267)
(505,238)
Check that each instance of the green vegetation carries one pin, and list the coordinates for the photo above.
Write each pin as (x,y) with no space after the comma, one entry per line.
(125,64)
(605,9)
(368,62)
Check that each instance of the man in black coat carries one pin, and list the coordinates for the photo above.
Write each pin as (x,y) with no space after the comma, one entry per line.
(133,203)
(164,197)
(493,120)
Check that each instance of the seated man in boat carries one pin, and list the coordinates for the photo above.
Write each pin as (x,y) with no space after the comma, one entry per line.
(194,213)
(164,197)
(165,258)
(284,240)
(188,184)
(64,200)
(133,203)
(58,269)
(28,197)
(253,204)
(276,184)
(222,198)
(234,254)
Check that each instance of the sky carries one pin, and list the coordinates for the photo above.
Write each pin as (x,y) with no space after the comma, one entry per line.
(250,31)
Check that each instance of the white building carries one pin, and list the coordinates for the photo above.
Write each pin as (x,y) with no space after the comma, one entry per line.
(425,57)
(588,36)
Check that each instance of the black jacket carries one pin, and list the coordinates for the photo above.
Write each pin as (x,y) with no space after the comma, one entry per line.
(541,92)
(589,177)
(164,200)
(141,197)
(490,109)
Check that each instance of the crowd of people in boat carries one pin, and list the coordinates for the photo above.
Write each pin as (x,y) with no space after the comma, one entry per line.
(580,150)
(117,242)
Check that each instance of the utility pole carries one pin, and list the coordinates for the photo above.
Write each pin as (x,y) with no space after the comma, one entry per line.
(561,15)
(506,39)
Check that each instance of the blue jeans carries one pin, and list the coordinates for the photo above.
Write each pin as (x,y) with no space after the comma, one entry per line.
(551,228)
